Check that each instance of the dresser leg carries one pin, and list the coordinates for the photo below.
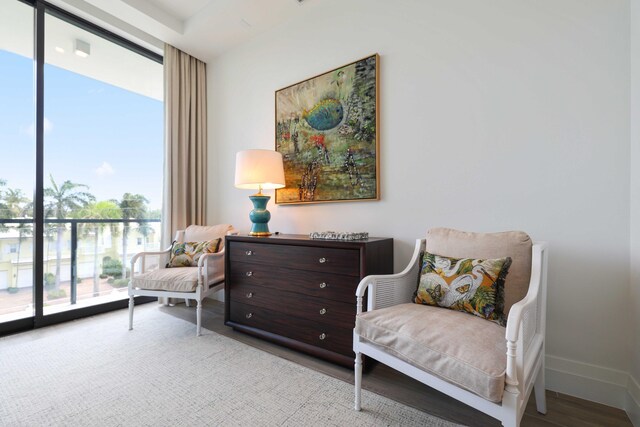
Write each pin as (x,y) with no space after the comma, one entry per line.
(358,379)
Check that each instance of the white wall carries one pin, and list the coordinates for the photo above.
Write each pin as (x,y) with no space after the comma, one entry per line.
(495,115)
(633,404)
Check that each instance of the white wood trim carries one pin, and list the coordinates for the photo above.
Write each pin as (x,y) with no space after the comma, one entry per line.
(586,381)
(634,389)
(632,405)
(179,295)
(588,370)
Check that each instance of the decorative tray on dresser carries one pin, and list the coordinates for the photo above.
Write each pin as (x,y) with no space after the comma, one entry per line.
(300,292)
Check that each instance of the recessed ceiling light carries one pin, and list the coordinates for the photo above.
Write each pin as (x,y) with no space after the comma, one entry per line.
(82,48)
(59,49)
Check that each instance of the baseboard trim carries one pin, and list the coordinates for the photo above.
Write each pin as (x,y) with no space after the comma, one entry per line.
(586,381)
(633,401)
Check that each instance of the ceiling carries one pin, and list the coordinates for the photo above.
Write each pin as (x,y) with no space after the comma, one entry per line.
(202,28)
(60,39)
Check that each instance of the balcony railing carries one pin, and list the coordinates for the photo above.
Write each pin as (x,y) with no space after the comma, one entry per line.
(73,249)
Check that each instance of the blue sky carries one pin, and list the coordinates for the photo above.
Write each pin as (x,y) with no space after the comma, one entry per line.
(95,134)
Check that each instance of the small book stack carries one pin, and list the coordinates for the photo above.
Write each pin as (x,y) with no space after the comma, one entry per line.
(338,235)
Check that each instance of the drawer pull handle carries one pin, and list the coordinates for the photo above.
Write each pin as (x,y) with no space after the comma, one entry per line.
(323,311)
(249,253)
(323,285)
(322,336)
(322,260)
(249,294)
(249,315)
(249,273)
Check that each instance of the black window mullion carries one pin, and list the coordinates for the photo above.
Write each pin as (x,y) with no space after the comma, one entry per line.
(38,199)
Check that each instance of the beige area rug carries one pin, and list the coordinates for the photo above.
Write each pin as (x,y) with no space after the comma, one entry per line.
(94,372)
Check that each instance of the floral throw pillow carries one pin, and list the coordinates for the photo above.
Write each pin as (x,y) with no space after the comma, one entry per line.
(188,254)
(474,286)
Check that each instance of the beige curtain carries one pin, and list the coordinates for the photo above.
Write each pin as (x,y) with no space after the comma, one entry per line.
(185,174)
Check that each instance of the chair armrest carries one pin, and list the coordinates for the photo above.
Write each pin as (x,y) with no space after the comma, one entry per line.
(386,290)
(525,329)
(537,287)
(211,267)
(142,255)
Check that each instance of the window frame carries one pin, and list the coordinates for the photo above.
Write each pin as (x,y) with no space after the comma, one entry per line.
(41,8)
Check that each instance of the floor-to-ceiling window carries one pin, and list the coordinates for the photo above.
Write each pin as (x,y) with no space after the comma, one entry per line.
(17,159)
(81,124)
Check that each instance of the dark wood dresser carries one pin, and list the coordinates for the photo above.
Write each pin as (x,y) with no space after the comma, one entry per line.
(300,292)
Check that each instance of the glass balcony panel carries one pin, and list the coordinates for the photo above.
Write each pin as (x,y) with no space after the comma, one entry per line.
(16,271)
(98,256)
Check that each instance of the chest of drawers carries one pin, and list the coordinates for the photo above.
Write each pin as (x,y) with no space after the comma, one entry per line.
(300,292)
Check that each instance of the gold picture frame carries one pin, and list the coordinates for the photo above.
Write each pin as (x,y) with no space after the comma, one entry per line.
(327,130)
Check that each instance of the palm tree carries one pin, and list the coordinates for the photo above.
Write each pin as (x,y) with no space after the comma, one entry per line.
(146,230)
(4,210)
(133,206)
(106,209)
(62,201)
(19,206)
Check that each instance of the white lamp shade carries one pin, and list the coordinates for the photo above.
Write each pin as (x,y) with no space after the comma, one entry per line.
(259,169)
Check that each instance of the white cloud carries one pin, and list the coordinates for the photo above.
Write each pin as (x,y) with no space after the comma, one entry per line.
(104,169)
(31,129)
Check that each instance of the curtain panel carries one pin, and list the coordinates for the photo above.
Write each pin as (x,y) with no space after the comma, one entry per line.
(185,172)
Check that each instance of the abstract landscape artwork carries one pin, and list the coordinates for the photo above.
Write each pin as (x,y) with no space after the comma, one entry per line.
(327,132)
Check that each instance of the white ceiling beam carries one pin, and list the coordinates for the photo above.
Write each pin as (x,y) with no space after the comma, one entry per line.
(118,25)
(159,24)
(157,14)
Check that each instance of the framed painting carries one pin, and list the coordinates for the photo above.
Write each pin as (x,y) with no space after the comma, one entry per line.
(327,132)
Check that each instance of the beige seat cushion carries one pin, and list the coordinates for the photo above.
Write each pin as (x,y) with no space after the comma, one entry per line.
(202,233)
(462,349)
(515,244)
(183,279)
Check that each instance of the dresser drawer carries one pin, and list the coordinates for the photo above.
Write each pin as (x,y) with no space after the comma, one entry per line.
(330,286)
(332,260)
(323,335)
(291,304)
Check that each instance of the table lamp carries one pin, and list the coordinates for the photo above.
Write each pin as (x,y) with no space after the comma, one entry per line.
(259,169)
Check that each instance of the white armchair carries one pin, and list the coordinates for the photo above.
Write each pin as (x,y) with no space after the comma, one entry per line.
(184,282)
(482,364)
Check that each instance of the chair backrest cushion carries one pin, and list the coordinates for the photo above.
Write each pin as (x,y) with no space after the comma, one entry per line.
(475,286)
(188,254)
(514,244)
(201,233)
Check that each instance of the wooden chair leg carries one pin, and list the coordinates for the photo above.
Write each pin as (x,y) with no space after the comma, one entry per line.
(199,318)
(538,388)
(358,380)
(130,312)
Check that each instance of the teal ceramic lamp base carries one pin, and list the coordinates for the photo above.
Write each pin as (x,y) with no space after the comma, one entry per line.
(259,216)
